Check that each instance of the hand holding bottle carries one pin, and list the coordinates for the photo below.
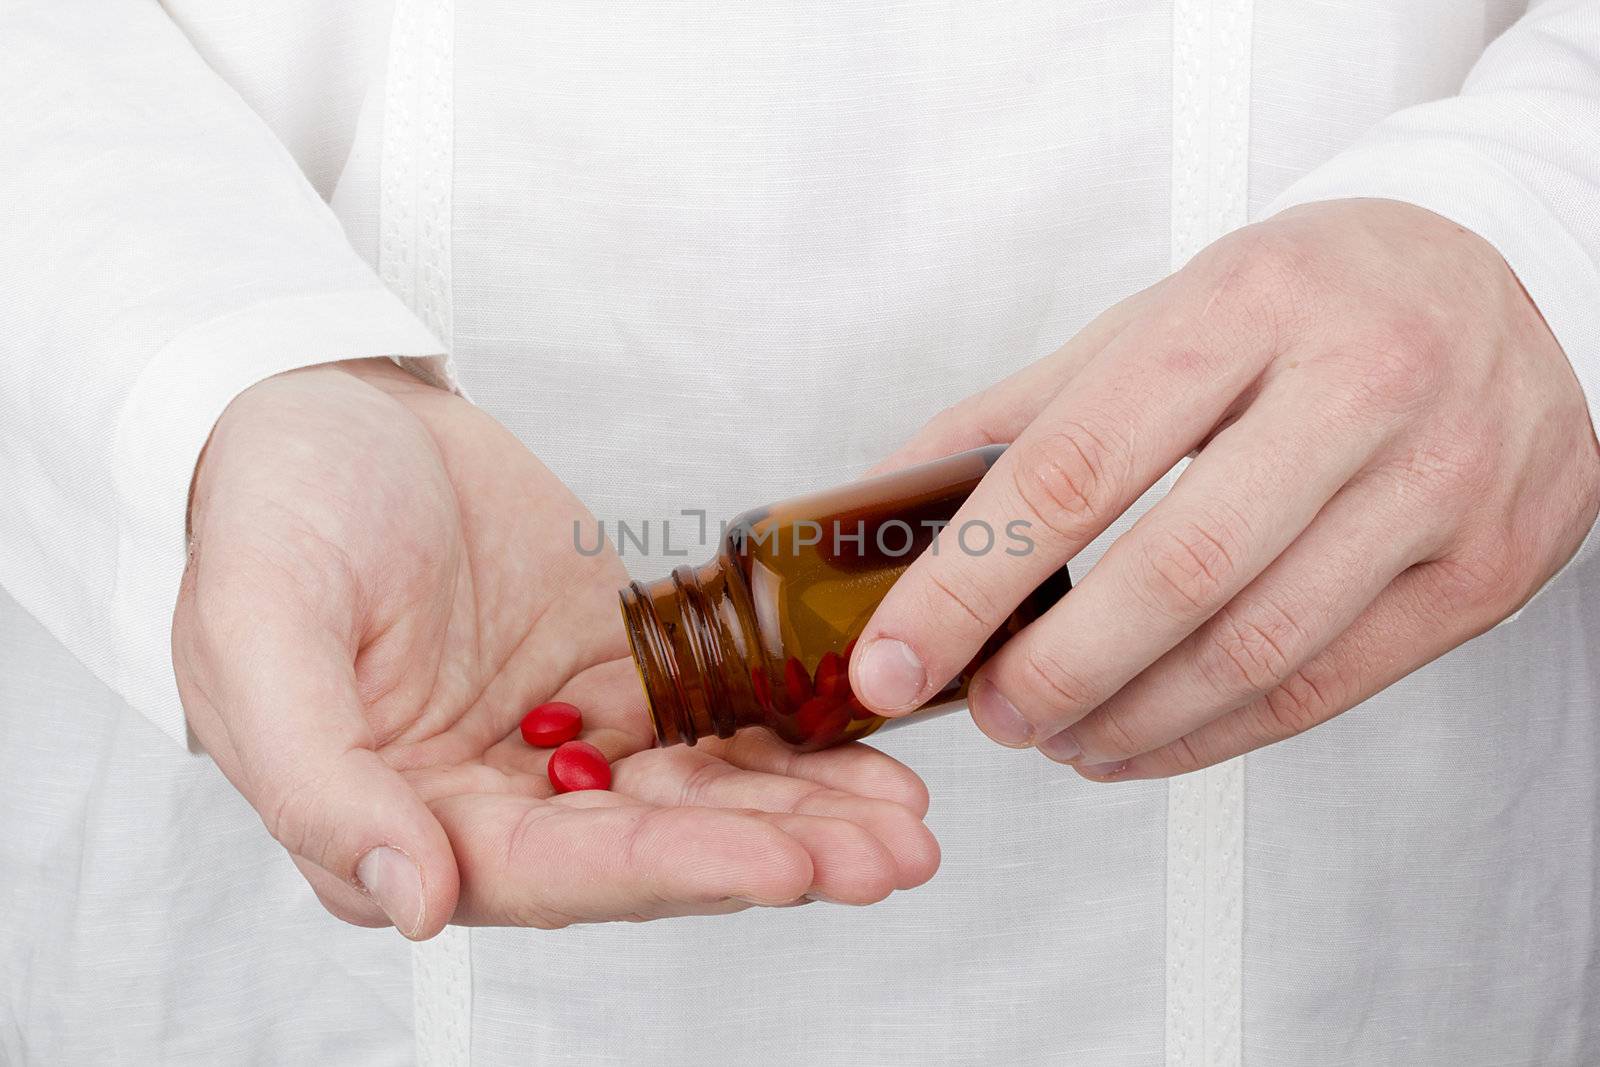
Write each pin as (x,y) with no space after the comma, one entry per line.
(1393,455)
(382,582)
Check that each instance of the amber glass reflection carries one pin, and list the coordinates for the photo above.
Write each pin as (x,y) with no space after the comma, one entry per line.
(761,635)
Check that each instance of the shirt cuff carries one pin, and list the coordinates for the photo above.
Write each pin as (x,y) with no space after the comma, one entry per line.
(163,427)
(1477,191)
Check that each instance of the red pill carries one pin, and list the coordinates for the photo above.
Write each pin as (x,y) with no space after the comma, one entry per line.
(579,765)
(796,682)
(552,724)
(821,721)
(760,686)
(833,680)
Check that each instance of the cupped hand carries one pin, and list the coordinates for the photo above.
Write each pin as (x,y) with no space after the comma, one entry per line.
(1391,454)
(382,581)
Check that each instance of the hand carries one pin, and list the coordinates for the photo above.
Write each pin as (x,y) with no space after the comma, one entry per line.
(1393,455)
(382,581)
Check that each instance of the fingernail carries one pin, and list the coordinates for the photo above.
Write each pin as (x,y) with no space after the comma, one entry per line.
(999,718)
(892,676)
(1063,747)
(823,898)
(395,884)
(785,903)
(1102,770)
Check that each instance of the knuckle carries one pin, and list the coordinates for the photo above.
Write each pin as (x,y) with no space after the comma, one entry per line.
(294,816)
(1294,707)
(1251,651)
(1186,569)
(1112,737)
(1055,684)
(1063,480)
(1400,367)
(1472,581)
(1444,472)
(1255,276)
(1184,756)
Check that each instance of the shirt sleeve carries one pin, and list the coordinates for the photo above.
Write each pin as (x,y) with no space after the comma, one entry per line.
(160,252)
(1514,158)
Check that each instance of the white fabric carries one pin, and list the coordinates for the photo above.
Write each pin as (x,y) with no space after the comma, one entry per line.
(703,256)
(161,253)
(1211,86)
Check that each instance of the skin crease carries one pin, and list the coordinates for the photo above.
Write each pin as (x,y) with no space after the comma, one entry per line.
(1391,455)
(382,581)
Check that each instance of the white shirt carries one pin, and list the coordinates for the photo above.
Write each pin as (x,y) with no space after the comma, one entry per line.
(705,255)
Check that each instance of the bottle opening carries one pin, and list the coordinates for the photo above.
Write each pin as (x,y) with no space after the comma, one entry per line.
(678,658)
(652,657)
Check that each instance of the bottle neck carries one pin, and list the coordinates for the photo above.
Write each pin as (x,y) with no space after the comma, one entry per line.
(683,632)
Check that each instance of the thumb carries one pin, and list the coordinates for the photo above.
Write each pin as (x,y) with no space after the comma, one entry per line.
(282,690)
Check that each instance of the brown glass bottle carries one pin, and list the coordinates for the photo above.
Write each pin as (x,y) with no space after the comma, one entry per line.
(762,634)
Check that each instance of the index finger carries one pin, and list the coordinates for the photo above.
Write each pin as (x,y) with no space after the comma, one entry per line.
(598,856)
(1157,391)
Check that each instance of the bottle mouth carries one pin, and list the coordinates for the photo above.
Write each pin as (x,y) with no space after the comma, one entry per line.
(657,666)
(674,639)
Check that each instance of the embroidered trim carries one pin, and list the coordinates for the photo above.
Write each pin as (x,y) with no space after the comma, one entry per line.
(1211,46)
(441,990)
(417,172)
(414,261)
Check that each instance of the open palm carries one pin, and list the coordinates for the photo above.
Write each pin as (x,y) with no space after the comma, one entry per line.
(382,580)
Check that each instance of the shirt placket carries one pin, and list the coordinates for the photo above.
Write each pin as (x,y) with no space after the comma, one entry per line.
(1211,63)
(414,260)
